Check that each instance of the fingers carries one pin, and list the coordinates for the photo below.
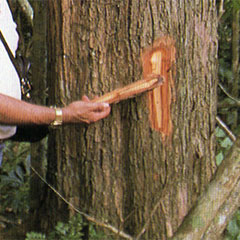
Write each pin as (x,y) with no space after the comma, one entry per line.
(99,111)
(85,99)
(97,107)
(85,111)
(97,115)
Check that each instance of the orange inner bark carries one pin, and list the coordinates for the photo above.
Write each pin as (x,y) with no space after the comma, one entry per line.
(159,60)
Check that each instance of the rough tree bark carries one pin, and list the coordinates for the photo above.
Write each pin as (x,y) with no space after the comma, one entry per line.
(39,96)
(119,169)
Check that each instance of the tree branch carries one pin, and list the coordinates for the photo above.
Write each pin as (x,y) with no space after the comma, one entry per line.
(221,10)
(197,222)
(229,95)
(27,9)
(225,128)
(224,215)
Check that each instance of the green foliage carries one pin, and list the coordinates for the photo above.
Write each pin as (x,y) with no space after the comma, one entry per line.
(226,78)
(73,230)
(224,143)
(14,178)
(225,61)
(97,235)
(236,4)
(15,154)
(35,236)
(69,231)
(233,229)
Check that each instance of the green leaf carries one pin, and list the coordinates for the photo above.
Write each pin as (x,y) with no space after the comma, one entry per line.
(20,173)
(226,143)
(220,133)
(237,215)
(228,238)
(35,236)
(233,228)
(219,158)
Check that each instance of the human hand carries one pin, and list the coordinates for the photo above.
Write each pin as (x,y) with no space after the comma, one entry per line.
(85,111)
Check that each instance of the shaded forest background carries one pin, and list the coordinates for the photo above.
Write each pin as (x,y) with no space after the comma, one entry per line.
(16,175)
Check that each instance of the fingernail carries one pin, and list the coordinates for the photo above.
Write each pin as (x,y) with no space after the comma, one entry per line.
(106,105)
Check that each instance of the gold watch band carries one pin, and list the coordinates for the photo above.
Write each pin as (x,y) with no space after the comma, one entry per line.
(58,117)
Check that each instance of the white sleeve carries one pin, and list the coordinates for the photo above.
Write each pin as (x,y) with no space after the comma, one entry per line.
(9,81)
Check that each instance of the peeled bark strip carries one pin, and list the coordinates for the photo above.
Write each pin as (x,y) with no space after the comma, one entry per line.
(131,90)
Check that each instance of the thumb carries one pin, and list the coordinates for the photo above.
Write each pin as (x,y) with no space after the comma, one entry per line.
(99,107)
(85,99)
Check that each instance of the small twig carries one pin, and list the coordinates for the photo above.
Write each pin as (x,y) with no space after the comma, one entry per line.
(88,217)
(229,95)
(225,128)
(159,203)
(220,122)
(27,9)
(144,229)
(5,220)
(221,10)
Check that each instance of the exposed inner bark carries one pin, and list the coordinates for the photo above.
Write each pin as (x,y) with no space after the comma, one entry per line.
(159,60)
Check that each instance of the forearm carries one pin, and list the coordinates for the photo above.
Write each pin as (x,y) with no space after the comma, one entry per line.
(16,112)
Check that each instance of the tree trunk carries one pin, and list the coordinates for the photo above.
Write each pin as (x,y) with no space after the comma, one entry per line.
(39,95)
(119,169)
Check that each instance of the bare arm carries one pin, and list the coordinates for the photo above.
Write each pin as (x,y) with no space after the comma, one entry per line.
(15,112)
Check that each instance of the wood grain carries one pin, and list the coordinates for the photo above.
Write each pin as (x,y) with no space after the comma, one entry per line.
(131,90)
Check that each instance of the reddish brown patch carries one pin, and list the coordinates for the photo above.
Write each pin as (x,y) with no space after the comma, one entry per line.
(159,59)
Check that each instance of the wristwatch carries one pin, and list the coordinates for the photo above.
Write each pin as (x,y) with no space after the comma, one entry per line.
(58,117)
